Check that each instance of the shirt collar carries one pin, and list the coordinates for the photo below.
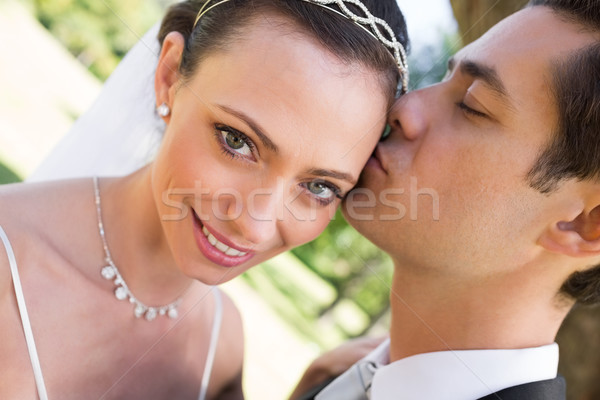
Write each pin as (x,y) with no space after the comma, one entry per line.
(459,374)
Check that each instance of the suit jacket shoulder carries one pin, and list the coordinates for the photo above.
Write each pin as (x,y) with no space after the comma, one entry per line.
(552,389)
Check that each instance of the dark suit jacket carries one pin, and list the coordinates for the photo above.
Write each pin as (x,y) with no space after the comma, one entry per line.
(553,389)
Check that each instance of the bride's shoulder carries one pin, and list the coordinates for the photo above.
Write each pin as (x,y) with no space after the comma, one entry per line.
(33,214)
(24,202)
(15,227)
(17,211)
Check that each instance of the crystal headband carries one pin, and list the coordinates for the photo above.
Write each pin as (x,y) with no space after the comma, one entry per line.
(368,22)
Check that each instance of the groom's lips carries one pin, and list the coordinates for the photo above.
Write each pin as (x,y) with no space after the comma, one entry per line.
(375,161)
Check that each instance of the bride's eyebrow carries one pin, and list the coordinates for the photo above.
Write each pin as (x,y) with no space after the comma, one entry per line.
(267,142)
(334,174)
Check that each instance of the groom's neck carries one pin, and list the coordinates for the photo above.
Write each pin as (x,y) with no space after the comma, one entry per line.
(440,313)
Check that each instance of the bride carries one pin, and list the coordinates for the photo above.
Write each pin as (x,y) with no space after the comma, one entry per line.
(271,109)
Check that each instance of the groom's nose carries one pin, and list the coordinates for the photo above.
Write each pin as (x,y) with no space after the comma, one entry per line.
(407,117)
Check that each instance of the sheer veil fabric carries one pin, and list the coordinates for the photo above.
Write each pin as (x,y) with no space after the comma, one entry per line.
(121,132)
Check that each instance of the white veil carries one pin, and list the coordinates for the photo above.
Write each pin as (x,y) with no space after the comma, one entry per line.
(121,131)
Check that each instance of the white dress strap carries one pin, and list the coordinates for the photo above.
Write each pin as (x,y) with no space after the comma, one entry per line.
(214,339)
(33,355)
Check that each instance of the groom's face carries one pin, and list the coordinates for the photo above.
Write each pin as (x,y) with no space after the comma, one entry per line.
(449,186)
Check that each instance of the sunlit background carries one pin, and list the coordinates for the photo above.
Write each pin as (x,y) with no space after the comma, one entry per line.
(54,56)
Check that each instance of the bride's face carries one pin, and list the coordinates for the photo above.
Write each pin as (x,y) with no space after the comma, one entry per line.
(261,145)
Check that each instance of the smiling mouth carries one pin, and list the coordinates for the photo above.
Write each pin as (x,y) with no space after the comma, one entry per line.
(222,247)
(217,248)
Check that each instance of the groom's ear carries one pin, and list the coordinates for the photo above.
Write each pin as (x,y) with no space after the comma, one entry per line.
(578,235)
(167,71)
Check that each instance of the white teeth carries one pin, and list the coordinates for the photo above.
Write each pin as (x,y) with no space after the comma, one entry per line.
(222,246)
(213,240)
(232,252)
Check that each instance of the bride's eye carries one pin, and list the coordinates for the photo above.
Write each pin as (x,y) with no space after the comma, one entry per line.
(323,192)
(234,142)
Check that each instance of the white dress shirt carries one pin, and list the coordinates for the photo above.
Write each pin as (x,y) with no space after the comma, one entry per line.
(459,374)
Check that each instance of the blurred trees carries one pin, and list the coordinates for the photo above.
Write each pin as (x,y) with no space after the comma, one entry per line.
(359,272)
(428,64)
(98,33)
(579,340)
(475,17)
(7,175)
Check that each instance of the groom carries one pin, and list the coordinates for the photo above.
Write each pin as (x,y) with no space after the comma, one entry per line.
(506,151)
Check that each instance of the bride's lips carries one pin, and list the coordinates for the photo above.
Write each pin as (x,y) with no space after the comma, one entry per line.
(204,236)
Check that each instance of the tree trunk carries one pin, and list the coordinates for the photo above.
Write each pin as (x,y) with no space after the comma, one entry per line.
(579,340)
(475,17)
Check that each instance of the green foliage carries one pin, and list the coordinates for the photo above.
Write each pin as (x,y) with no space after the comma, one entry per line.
(342,292)
(428,65)
(341,254)
(98,32)
(7,175)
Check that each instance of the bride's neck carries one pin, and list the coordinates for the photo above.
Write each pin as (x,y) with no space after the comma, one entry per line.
(136,239)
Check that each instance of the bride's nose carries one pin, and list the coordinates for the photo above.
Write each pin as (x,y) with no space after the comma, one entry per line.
(255,216)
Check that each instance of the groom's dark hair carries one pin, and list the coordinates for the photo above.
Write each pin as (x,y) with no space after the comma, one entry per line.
(224,23)
(574,152)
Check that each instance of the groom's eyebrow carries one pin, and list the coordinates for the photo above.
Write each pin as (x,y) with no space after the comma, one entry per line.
(487,74)
(255,126)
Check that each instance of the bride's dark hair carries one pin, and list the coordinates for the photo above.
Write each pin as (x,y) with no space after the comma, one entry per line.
(348,41)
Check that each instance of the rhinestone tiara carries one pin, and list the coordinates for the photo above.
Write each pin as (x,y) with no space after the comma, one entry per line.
(376,27)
